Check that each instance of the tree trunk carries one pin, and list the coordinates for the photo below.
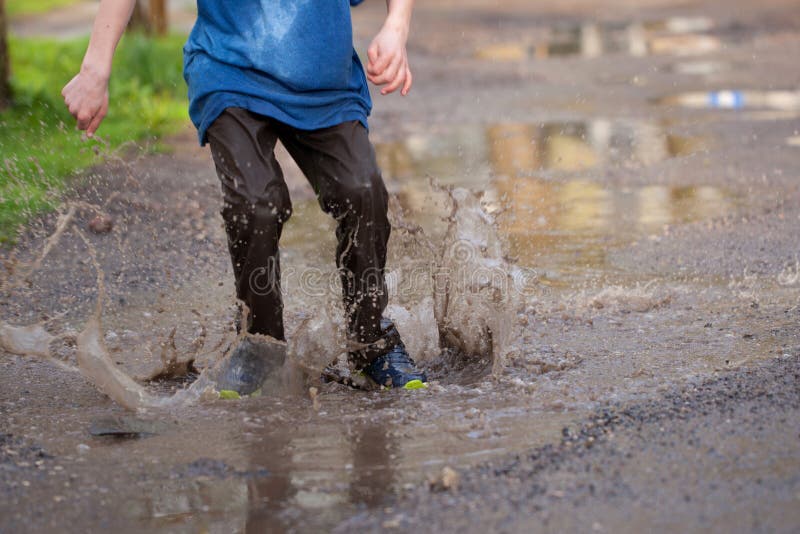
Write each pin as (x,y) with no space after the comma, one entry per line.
(158,16)
(5,88)
(139,19)
(150,16)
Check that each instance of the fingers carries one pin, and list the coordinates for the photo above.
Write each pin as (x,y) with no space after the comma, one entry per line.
(409,81)
(85,117)
(68,100)
(389,74)
(372,56)
(89,111)
(95,123)
(397,75)
(377,62)
(67,88)
(87,114)
(398,80)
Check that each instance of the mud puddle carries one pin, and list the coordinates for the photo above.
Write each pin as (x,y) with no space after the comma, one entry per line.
(679,36)
(553,216)
(349,456)
(527,349)
(323,454)
(469,154)
(311,458)
(787,101)
(700,67)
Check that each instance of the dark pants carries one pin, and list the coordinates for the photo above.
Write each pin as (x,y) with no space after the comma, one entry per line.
(340,164)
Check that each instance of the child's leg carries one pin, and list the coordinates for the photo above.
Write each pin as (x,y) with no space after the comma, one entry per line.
(340,164)
(256,204)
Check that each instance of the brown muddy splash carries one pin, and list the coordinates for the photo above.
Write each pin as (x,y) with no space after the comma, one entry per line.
(469,308)
(476,297)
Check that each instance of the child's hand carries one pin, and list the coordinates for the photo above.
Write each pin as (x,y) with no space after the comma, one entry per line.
(388,62)
(86,96)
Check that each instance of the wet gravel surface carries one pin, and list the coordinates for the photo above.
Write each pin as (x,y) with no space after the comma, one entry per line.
(722,453)
(687,336)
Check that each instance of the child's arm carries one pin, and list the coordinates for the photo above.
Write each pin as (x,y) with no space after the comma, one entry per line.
(388,62)
(86,95)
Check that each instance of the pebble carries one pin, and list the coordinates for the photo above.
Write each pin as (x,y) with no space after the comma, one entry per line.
(101,224)
(313,393)
(447,480)
(393,522)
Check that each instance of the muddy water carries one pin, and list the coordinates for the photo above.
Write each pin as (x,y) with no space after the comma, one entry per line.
(352,454)
(559,326)
(300,460)
(552,216)
(468,154)
(680,36)
(786,101)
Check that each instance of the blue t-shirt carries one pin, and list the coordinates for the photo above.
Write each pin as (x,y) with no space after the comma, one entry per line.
(292,60)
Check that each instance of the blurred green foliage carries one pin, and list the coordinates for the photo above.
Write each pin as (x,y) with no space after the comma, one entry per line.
(40,149)
(30,7)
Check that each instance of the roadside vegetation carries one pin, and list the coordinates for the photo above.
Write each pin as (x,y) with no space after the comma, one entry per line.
(16,8)
(40,149)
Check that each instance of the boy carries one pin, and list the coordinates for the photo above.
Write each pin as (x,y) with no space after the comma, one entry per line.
(260,71)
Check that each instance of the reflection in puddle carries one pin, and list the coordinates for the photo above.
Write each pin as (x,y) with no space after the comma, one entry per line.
(784,101)
(467,155)
(563,222)
(679,36)
(570,226)
(700,68)
(325,470)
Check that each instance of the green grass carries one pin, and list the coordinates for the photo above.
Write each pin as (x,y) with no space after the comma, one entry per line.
(32,7)
(40,149)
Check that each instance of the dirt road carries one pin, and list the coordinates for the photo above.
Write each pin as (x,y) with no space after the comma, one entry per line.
(641,159)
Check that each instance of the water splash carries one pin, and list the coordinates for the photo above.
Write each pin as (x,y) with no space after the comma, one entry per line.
(94,361)
(476,297)
(467,310)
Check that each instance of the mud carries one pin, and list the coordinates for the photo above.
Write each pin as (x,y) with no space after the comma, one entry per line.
(627,468)
(653,249)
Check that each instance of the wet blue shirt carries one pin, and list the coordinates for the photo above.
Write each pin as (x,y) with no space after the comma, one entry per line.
(292,60)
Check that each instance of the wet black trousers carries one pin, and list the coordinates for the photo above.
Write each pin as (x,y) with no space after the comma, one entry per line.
(340,164)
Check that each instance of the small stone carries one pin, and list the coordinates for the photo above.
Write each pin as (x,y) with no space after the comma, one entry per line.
(101,224)
(447,480)
(313,393)
(83,448)
(393,522)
